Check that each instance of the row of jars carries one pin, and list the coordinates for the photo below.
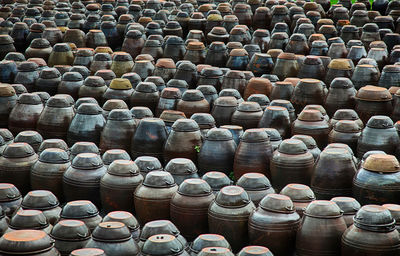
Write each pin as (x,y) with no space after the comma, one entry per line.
(280,225)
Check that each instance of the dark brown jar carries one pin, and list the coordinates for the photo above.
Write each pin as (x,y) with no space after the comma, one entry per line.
(228,216)
(282,90)
(273,222)
(56,117)
(223,109)
(347,132)
(29,219)
(86,125)
(163,245)
(373,233)
(286,66)
(70,84)
(340,95)
(84,57)
(48,80)
(28,242)
(113,104)
(88,252)
(118,185)
(291,163)
(118,130)
(114,238)
(276,117)
(114,154)
(217,180)
(394,211)
(25,114)
(253,250)
(320,214)
(247,115)
(149,138)
(310,144)
(152,198)
(3,222)
(7,45)
(338,180)
(379,134)
(93,86)
(192,102)
(345,114)
(206,241)
(377,180)
(253,153)
(195,52)
(301,196)
(189,207)
(47,172)
(308,91)
(145,95)
(10,199)
(128,219)
(83,147)
(82,210)
(184,140)
(372,100)
(205,121)
(256,185)
(217,152)
(82,179)
(33,138)
(15,165)
(349,206)
(100,61)
(70,235)
(44,201)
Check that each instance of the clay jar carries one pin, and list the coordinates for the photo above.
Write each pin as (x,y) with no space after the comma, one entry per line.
(145,95)
(168,100)
(286,66)
(122,63)
(261,63)
(276,117)
(189,207)
(312,67)
(165,245)
(29,219)
(195,52)
(291,163)
(253,153)
(310,143)
(217,152)
(10,199)
(320,214)
(44,201)
(379,134)
(247,115)
(340,95)
(338,180)
(282,90)
(308,91)
(206,241)
(376,181)
(338,68)
(192,102)
(301,196)
(228,215)
(82,210)
(165,68)
(118,185)
(372,100)
(8,100)
(152,198)
(347,132)
(70,84)
(56,117)
(87,124)
(119,88)
(371,221)
(128,219)
(349,206)
(181,169)
(61,55)
(273,221)
(184,140)
(223,109)
(93,86)
(118,130)
(25,114)
(256,185)
(47,173)
(149,138)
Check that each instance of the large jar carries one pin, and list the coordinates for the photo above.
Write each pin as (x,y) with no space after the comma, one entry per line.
(311,122)
(8,99)
(152,198)
(371,101)
(192,102)
(308,91)
(253,153)
(81,180)
(15,165)
(145,95)
(27,242)
(333,174)
(44,201)
(223,109)
(70,235)
(377,182)
(349,206)
(163,245)
(128,219)
(168,100)
(181,169)
(247,115)
(276,117)
(70,84)
(87,124)
(114,238)
(327,217)
(118,130)
(25,114)
(347,132)
(82,210)
(3,222)
(10,199)
(27,74)
(47,173)
(256,185)
(340,95)
(291,163)
(217,152)
(93,86)
(155,227)
(206,241)
(189,207)
(118,185)
(274,225)
(149,138)
(373,233)
(29,219)
(228,216)
(184,140)
(119,88)
(378,134)
(56,117)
